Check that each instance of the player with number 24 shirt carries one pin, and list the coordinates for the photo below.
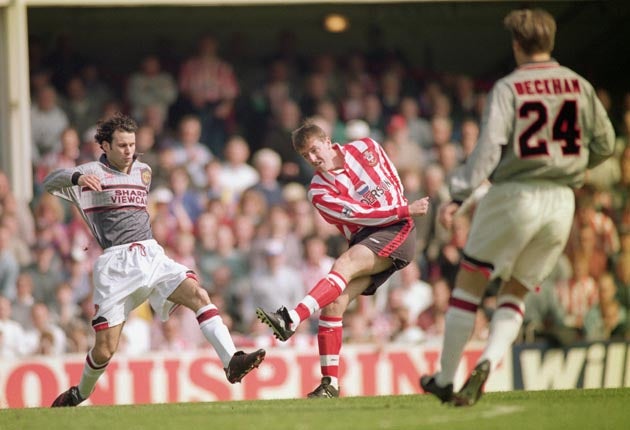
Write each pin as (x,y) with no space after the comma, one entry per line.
(542,128)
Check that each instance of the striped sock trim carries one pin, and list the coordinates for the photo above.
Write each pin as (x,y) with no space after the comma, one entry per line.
(509,301)
(206,312)
(90,362)
(337,280)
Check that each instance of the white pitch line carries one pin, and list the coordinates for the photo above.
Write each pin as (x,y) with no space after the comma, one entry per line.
(494,411)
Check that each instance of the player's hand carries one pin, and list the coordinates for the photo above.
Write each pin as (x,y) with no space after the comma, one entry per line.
(93,182)
(419,207)
(446,214)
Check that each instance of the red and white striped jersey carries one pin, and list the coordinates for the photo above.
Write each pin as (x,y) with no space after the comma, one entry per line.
(367,191)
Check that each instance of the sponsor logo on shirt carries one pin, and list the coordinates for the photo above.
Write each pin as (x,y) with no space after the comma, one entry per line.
(371,196)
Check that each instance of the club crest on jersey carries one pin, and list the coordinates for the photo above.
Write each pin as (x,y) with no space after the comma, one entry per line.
(145,174)
(370,157)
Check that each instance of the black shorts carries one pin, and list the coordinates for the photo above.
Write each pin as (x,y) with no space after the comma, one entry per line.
(396,241)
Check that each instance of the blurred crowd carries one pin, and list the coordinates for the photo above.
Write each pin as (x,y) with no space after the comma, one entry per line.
(229,198)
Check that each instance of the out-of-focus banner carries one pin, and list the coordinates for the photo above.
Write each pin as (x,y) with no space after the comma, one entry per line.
(366,370)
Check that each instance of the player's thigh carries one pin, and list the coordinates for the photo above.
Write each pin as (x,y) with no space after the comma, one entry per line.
(359,261)
(504,222)
(540,255)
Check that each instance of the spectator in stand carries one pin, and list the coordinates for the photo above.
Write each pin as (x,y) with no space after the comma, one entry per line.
(253,205)
(469,133)
(170,337)
(432,320)
(78,337)
(352,101)
(11,333)
(278,138)
(155,118)
(373,115)
(390,94)
(448,157)
(145,145)
(464,99)
(419,127)
(236,174)
(209,88)
(316,263)
(24,300)
(578,294)
(325,63)
(50,216)
(9,266)
(187,203)
(274,282)
(45,337)
(328,110)
(83,112)
(221,254)
(150,86)
(48,121)
(357,129)
(587,214)
(416,294)
(64,310)
(96,87)
(442,132)
(46,272)
(316,90)
(16,213)
(268,164)
(607,319)
(67,156)
(404,153)
(278,226)
(64,60)
(190,152)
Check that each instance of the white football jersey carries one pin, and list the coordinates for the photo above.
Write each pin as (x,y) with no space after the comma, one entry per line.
(542,122)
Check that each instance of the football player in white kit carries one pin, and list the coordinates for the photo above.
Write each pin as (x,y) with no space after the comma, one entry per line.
(111,195)
(543,126)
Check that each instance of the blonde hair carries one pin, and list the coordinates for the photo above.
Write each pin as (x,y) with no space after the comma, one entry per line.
(533,29)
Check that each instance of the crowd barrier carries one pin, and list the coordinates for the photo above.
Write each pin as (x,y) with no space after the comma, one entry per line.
(366,370)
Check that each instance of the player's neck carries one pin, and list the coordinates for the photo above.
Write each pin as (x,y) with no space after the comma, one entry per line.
(535,58)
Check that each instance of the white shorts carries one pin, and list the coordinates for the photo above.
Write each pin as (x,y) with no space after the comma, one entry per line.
(521,229)
(127,275)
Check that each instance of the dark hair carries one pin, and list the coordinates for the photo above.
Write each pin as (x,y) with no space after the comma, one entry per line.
(119,122)
(305,133)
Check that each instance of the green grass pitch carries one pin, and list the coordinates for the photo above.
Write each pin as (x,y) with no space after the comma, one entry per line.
(599,409)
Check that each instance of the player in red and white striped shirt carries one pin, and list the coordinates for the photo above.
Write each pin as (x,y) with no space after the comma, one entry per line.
(356,188)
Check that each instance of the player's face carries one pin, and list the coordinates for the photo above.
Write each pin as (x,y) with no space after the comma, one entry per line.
(319,153)
(121,150)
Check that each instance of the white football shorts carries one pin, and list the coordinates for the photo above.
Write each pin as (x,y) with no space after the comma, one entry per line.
(521,229)
(127,275)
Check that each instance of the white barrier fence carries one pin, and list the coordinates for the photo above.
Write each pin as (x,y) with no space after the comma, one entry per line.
(366,370)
